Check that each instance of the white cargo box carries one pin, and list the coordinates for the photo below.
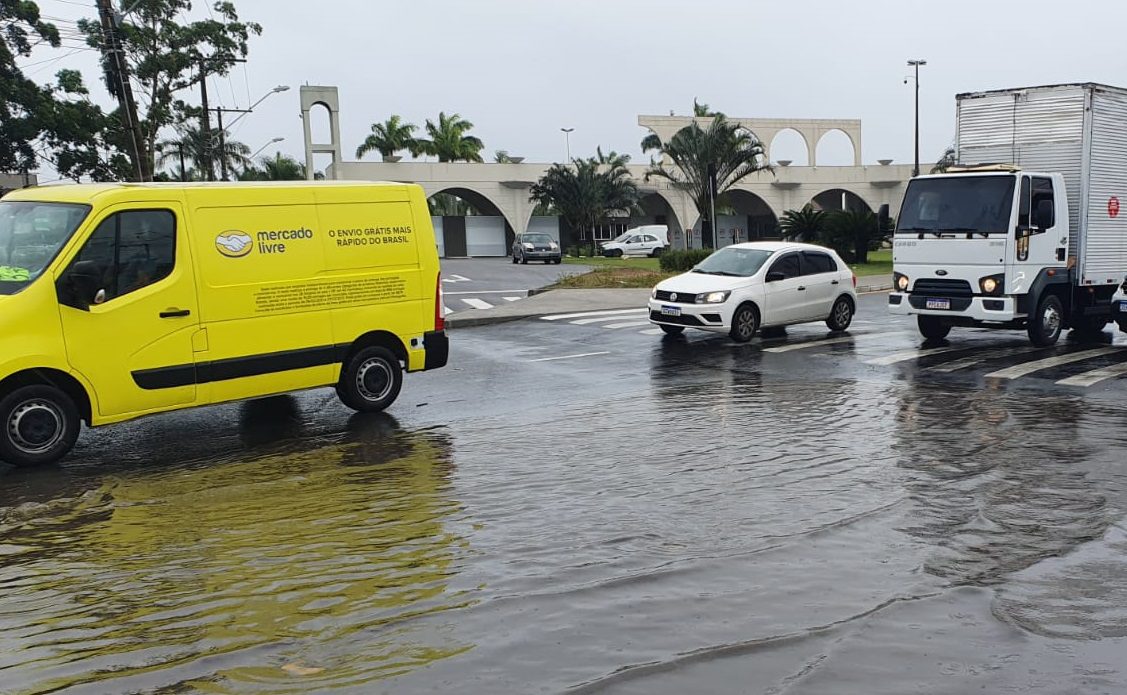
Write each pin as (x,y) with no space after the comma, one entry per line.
(1078,130)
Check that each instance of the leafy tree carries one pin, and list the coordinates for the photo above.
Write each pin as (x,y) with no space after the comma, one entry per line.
(448,140)
(502,157)
(196,149)
(389,137)
(806,224)
(853,233)
(448,204)
(723,153)
(612,158)
(166,58)
(280,167)
(946,161)
(585,192)
(703,110)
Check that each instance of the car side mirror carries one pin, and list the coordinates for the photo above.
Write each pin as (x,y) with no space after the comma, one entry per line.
(775,276)
(79,285)
(1043,216)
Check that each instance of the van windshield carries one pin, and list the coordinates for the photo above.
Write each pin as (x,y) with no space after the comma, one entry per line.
(31,234)
(953,204)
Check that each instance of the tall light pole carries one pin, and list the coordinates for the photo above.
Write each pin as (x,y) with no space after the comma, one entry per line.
(916,63)
(567,141)
(256,153)
(223,129)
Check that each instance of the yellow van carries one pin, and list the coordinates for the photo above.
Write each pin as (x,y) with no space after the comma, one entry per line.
(123,300)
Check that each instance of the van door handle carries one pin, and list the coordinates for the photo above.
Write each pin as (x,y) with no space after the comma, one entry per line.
(174,313)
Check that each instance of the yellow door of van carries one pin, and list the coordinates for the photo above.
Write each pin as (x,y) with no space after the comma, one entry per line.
(130,311)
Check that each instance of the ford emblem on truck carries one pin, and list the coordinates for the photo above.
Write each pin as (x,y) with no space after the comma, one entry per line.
(941,272)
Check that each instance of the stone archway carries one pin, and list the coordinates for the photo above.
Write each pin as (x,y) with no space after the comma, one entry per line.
(835,147)
(748,218)
(655,208)
(790,146)
(469,223)
(840,199)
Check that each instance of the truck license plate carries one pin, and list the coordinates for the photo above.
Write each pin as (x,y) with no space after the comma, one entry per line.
(938,304)
(670,310)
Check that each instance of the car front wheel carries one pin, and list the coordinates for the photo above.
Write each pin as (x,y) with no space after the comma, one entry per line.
(41,425)
(672,330)
(745,322)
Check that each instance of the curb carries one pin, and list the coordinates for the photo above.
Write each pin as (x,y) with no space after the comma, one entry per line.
(473,321)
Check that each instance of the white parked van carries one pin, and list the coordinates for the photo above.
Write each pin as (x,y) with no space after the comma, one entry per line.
(647,240)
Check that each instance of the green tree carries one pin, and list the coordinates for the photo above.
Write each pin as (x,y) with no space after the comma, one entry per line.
(612,158)
(389,137)
(853,233)
(806,224)
(196,150)
(585,192)
(723,152)
(703,110)
(448,140)
(502,157)
(448,204)
(166,57)
(280,167)
(946,161)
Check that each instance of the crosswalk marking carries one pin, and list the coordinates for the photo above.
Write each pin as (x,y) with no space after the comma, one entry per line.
(1020,370)
(1096,375)
(988,354)
(628,324)
(559,317)
(652,331)
(446,310)
(828,341)
(897,357)
(477,303)
(511,299)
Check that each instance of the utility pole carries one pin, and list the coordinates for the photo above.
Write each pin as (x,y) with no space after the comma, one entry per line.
(916,64)
(205,126)
(222,137)
(118,74)
(183,173)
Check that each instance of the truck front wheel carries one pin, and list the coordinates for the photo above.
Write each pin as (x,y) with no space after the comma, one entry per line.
(1045,323)
(932,327)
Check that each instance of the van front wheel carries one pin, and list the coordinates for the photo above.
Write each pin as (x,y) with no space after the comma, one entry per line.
(40,425)
(371,380)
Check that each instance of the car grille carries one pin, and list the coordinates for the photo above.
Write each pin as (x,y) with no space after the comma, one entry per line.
(682,297)
(943,288)
(684,320)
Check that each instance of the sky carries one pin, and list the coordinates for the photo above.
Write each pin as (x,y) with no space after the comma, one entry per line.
(520,70)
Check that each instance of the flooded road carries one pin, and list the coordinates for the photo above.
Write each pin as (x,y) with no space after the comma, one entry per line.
(682,516)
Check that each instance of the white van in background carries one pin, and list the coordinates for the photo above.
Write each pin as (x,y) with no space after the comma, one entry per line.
(646,240)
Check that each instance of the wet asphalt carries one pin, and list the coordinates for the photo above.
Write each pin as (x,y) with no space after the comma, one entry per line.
(588,507)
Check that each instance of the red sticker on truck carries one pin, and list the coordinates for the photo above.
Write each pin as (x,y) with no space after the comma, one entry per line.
(1113,206)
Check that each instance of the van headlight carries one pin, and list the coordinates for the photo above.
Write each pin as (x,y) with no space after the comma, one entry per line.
(713,297)
(992,284)
(901,281)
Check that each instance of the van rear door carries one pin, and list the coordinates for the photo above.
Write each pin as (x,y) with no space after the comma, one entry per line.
(133,340)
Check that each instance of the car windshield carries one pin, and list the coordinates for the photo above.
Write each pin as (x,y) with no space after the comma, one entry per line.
(31,234)
(536,239)
(733,261)
(972,204)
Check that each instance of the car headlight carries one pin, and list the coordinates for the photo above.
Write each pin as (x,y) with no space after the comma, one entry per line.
(901,281)
(553,245)
(992,284)
(529,246)
(713,297)
(653,293)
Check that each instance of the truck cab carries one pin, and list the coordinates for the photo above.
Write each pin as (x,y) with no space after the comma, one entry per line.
(989,247)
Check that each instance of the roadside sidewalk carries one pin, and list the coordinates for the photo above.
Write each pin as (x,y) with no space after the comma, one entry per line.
(575,301)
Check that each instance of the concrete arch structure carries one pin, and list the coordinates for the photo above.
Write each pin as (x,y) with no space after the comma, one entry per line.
(811,129)
(327,98)
(831,134)
(785,133)
(841,199)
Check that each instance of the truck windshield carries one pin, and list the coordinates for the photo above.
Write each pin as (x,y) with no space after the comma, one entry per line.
(971,204)
(31,234)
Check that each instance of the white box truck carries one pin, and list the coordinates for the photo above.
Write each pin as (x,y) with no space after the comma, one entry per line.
(1025,232)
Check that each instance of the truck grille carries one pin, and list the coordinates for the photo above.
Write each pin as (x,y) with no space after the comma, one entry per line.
(943,288)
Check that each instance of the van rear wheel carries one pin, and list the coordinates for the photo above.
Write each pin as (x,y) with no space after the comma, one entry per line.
(41,425)
(371,380)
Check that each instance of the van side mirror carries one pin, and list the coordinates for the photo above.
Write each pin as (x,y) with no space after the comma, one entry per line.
(882,217)
(1044,216)
(775,276)
(79,285)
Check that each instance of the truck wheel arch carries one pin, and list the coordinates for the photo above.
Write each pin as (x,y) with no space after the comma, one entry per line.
(52,377)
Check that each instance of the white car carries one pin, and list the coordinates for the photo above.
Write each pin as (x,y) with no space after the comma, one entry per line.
(744,287)
(641,241)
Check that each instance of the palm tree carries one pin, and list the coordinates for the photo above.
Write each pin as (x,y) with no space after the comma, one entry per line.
(280,167)
(946,161)
(612,158)
(706,162)
(502,157)
(703,110)
(448,140)
(806,224)
(389,137)
(585,192)
(190,142)
(852,233)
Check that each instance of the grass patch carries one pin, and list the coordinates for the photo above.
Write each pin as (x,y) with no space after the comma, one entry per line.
(612,278)
(603,262)
(880,263)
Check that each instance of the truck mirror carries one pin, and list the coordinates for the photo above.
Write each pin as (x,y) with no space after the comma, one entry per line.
(882,216)
(1043,216)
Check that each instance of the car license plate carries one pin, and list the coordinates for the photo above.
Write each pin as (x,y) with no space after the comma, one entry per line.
(938,304)
(1123,306)
(670,310)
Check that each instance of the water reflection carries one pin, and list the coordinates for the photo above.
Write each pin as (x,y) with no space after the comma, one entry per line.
(289,571)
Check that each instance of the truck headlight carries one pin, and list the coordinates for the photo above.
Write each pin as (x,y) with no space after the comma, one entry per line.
(901,281)
(992,284)
(713,297)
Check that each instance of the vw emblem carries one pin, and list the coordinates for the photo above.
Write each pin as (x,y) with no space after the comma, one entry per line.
(673,297)
(941,272)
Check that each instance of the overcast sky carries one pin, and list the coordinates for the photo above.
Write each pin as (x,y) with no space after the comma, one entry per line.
(522,69)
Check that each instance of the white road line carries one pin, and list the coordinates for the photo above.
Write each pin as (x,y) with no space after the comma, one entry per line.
(598,319)
(652,331)
(456,278)
(1096,375)
(478,304)
(827,341)
(912,354)
(568,357)
(629,324)
(454,294)
(512,299)
(447,310)
(1020,370)
(558,317)
(988,354)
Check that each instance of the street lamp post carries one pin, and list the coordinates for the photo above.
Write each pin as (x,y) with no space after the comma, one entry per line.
(916,63)
(567,141)
(223,129)
(259,150)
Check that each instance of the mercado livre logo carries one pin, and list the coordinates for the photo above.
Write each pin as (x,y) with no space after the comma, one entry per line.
(234,243)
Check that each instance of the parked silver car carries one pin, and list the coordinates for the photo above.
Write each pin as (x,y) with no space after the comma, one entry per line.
(536,246)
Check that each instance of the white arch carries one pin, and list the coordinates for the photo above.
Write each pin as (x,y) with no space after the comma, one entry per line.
(853,148)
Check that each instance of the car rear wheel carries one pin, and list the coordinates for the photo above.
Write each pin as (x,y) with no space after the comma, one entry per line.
(745,322)
(672,330)
(841,315)
(41,425)
(657,252)
(371,380)
(932,327)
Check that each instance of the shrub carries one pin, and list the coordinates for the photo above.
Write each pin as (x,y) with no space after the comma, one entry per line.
(682,261)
